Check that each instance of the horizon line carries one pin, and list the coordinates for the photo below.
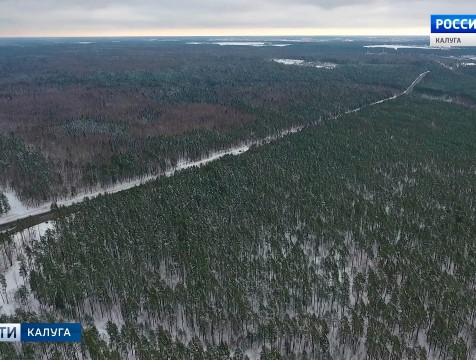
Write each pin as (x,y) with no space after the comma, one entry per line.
(214,35)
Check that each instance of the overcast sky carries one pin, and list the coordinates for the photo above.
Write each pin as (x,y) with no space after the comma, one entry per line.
(222,17)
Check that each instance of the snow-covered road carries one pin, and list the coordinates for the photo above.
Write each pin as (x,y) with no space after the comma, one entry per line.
(415,82)
(20,211)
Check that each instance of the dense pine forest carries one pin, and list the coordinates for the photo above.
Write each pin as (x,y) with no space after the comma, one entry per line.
(77,115)
(24,169)
(353,239)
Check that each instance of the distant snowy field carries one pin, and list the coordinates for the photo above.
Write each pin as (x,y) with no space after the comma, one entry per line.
(461,60)
(397,47)
(468,60)
(319,65)
(239,43)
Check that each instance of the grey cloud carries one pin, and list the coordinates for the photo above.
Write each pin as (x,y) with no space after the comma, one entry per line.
(61,16)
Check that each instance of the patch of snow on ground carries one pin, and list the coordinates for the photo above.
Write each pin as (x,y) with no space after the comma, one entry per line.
(319,65)
(298,40)
(13,279)
(466,60)
(396,47)
(289,61)
(113,315)
(326,66)
(461,57)
(254,352)
(239,43)
(16,206)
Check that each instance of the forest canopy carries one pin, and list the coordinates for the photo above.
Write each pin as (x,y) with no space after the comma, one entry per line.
(354,239)
(82,117)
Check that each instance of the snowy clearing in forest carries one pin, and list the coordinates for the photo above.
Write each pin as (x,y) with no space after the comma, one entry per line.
(397,47)
(238,43)
(462,57)
(464,60)
(319,65)
(248,43)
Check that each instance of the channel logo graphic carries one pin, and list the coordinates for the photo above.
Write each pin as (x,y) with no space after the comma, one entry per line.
(29,332)
(453,30)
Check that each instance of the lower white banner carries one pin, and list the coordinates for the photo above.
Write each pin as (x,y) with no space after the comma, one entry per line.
(452,40)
